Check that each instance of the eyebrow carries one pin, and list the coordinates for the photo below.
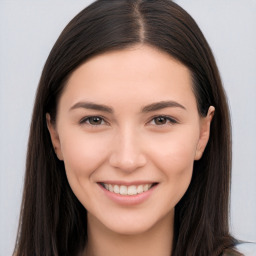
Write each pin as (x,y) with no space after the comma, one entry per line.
(149,108)
(161,105)
(93,106)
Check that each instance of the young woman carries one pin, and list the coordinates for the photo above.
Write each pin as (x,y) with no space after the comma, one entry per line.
(129,150)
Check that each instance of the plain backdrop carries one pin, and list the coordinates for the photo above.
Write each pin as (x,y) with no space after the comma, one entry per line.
(28,30)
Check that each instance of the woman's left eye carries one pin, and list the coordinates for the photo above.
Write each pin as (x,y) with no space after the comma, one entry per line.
(93,120)
(162,120)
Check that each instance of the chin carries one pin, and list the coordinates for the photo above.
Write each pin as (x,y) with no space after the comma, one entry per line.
(134,224)
(128,229)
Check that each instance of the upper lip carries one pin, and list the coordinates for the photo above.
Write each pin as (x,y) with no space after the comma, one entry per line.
(126,183)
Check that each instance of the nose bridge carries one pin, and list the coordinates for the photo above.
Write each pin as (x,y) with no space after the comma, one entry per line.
(127,153)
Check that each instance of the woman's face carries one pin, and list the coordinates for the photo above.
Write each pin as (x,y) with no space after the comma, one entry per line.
(128,131)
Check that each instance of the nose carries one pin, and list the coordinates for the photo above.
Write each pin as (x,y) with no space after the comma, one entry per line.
(127,152)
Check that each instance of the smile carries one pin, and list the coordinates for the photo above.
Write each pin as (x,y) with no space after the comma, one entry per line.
(127,190)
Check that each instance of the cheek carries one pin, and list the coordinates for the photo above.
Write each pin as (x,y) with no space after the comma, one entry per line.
(175,152)
(82,153)
(176,160)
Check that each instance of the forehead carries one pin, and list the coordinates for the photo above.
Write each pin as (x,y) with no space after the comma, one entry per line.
(140,72)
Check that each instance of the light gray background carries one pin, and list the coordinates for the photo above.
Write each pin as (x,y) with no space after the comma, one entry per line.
(28,30)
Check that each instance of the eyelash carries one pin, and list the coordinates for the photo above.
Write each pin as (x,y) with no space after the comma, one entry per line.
(168,120)
(86,120)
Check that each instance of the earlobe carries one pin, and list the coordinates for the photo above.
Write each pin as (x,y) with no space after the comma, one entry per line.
(204,133)
(54,137)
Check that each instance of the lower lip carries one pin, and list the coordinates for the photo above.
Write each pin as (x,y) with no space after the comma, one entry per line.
(129,200)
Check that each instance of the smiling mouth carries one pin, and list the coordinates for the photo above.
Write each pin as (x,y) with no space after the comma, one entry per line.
(127,190)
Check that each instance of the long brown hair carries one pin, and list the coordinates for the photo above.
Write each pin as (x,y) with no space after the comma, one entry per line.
(53,221)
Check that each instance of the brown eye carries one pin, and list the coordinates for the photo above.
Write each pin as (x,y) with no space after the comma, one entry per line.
(163,120)
(93,120)
(160,120)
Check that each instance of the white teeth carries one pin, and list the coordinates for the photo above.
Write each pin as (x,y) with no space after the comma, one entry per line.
(145,187)
(123,190)
(127,190)
(110,187)
(132,190)
(140,189)
(116,189)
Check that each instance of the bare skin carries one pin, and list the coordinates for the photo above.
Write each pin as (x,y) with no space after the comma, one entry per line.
(127,245)
(128,121)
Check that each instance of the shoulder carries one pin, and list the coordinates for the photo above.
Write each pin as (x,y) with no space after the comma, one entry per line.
(248,249)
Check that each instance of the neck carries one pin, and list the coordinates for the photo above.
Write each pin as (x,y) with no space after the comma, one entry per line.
(155,241)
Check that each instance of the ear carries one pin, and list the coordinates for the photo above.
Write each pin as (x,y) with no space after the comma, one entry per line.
(205,124)
(54,136)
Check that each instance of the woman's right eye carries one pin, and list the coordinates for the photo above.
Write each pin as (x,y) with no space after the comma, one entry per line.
(93,120)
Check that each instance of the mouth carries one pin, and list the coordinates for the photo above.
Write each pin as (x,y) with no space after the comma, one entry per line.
(130,190)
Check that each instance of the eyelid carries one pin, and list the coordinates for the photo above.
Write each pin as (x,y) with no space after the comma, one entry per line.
(86,118)
(171,120)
